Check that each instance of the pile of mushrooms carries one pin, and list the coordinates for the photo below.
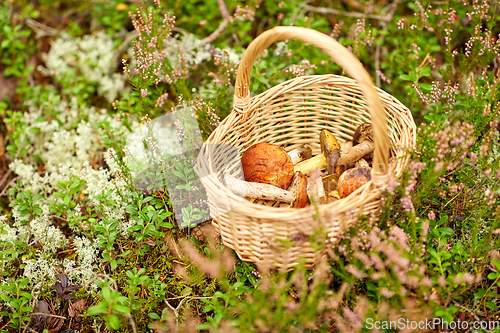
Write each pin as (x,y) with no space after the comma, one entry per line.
(299,178)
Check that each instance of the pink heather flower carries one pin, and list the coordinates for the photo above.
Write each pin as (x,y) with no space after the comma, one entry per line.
(427,281)
(382,76)
(401,237)
(144,92)
(243,13)
(386,292)
(407,204)
(377,262)
(401,24)
(442,281)
(161,100)
(361,256)
(473,158)
(431,215)
(355,272)
(302,69)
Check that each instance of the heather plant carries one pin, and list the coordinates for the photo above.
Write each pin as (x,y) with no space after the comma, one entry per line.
(81,207)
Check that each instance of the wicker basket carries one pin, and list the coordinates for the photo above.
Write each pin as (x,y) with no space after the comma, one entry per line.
(291,114)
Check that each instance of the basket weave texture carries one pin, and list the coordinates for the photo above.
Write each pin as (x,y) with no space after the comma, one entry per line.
(290,114)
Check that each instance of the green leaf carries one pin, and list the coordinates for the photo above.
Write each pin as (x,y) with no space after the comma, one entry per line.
(136,227)
(491,305)
(153,315)
(121,308)
(147,199)
(97,309)
(106,293)
(165,225)
(114,321)
(426,87)
(187,291)
(406,77)
(497,263)
(426,71)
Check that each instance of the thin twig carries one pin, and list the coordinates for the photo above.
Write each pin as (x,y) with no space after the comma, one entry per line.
(481,171)
(37,239)
(176,310)
(97,276)
(129,316)
(1,328)
(391,8)
(13,180)
(46,314)
(323,10)
(377,62)
(128,38)
(41,29)
(222,25)
(8,185)
(190,297)
(4,178)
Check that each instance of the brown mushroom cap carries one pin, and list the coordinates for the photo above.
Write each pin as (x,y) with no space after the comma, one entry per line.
(352,179)
(363,132)
(299,186)
(267,163)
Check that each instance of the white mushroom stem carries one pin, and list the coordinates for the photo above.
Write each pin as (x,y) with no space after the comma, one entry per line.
(301,153)
(253,190)
(361,163)
(315,189)
(345,145)
(351,155)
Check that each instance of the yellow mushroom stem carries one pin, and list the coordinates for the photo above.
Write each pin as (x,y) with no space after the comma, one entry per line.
(348,155)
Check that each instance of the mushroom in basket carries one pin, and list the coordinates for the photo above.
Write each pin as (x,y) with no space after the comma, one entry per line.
(268,171)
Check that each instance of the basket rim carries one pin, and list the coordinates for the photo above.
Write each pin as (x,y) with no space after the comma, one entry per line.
(356,197)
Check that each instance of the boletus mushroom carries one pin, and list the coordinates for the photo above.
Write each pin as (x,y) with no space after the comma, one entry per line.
(297,196)
(362,145)
(330,154)
(337,158)
(299,189)
(301,153)
(268,164)
(352,179)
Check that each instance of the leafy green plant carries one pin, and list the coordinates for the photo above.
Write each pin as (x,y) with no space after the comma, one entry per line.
(113,305)
(26,204)
(16,47)
(13,294)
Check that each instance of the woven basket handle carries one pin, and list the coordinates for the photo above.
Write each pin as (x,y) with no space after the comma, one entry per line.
(342,57)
